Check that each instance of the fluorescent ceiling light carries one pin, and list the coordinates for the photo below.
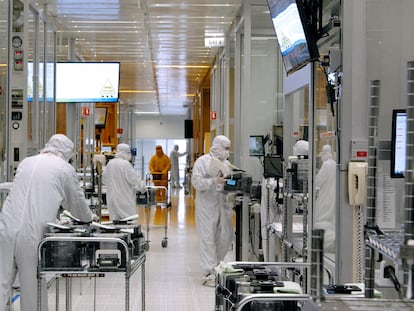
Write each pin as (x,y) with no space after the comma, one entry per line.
(147,112)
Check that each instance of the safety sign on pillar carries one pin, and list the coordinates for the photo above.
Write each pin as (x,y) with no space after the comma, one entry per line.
(86,111)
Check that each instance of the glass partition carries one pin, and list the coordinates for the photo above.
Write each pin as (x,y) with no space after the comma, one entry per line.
(49,115)
(41,77)
(34,87)
(327,86)
(389,47)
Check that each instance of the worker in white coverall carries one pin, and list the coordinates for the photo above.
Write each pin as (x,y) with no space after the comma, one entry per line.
(325,186)
(175,174)
(213,215)
(122,182)
(301,148)
(42,184)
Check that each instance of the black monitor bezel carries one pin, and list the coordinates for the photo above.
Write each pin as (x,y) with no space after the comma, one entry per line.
(310,37)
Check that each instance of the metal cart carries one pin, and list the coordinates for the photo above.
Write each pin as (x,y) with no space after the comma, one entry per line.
(90,257)
(255,286)
(149,199)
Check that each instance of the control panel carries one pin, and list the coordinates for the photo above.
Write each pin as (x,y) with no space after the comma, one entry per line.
(18,105)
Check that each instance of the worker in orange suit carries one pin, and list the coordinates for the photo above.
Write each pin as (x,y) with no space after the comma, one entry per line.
(159,166)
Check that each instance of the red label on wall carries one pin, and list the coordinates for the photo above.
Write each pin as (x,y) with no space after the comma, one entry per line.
(361,154)
(85,111)
(213,115)
(119,131)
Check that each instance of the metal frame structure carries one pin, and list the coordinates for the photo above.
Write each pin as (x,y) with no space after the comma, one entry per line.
(132,264)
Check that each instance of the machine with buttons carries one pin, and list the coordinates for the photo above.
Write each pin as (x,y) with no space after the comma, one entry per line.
(18,94)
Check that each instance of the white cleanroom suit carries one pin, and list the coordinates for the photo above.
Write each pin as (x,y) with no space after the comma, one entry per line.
(42,184)
(325,185)
(122,182)
(213,216)
(175,174)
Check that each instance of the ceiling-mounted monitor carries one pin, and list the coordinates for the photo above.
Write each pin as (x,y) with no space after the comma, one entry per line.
(87,82)
(296,43)
(398,143)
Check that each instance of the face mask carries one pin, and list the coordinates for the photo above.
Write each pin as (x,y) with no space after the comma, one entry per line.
(223,154)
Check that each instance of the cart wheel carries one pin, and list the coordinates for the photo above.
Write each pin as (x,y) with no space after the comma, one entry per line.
(146,246)
(164,243)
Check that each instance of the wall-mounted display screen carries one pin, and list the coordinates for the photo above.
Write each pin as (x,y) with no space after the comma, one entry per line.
(398,143)
(78,82)
(87,82)
(296,45)
(256,146)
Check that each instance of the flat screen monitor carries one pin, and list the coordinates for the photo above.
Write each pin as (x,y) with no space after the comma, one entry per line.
(398,142)
(273,166)
(100,116)
(256,146)
(87,82)
(296,44)
(106,149)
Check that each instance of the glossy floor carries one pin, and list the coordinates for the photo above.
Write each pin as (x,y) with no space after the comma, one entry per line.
(172,277)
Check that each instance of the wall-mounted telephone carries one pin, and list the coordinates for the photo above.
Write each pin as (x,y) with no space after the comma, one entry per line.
(357,183)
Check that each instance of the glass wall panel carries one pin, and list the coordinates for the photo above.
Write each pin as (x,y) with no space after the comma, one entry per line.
(389,47)
(325,114)
(40,81)
(49,84)
(146,149)
(32,27)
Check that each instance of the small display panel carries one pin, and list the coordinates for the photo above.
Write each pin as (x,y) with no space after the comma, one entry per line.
(256,146)
(398,143)
(100,116)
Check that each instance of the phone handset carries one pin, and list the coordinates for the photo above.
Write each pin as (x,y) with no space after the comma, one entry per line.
(357,183)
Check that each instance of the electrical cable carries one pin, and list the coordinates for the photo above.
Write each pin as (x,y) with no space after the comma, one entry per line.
(389,272)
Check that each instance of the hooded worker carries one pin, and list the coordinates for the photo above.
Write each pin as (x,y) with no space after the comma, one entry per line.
(159,166)
(213,215)
(325,185)
(42,184)
(175,174)
(301,148)
(122,182)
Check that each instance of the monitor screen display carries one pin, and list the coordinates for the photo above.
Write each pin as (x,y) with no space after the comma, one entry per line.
(295,42)
(100,116)
(398,143)
(273,167)
(84,82)
(87,82)
(256,146)
(106,149)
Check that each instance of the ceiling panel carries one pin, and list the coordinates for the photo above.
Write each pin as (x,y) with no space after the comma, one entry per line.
(160,44)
